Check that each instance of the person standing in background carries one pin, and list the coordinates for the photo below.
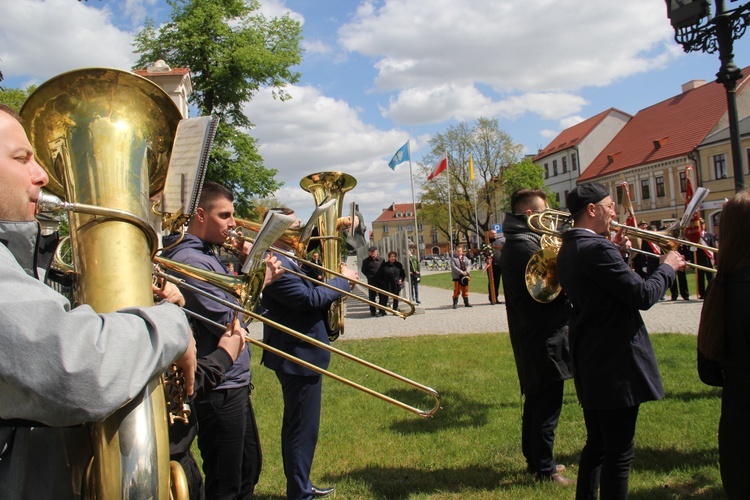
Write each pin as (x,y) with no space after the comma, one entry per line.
(461,277)
(370,267)
(391,278)
(415,276)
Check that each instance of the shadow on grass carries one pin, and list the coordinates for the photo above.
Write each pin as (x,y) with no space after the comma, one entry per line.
(687,396)
(457,412)
(402,482)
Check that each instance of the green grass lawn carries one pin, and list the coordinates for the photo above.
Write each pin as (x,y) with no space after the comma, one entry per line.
(371,449)
(478,282)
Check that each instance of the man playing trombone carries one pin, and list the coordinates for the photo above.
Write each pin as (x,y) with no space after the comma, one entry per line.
(614,365)
(302,306)
(227,432)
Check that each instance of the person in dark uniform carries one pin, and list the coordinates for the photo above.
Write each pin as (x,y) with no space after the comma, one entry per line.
(724,343)
(614,365)
(494,261)
(704,258)
(680,284)
(300,305)
(370,267)
(539,336)
(391,277)
(311,271)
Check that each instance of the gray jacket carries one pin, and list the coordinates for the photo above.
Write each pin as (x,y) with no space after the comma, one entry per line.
(63,367)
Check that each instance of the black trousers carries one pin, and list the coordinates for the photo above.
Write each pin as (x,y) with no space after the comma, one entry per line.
(193,476)
(608,454)
(734,441)
(299,431)
(495,283)
(541,413)
(703,276)
(229,443)
(683,286)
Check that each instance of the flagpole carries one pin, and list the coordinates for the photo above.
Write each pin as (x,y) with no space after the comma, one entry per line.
(474,185)
(450,215)
(413,201)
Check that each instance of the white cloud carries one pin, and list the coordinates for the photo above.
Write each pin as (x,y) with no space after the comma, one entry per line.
(526,55)
(315,133)
(41,38)
(570,121)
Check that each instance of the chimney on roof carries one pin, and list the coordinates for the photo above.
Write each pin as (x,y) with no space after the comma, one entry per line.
(692,84)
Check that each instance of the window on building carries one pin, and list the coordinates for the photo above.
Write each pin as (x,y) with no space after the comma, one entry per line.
(565,197)
(645,189)
(385,229)
(554,167)
(410,227)
(399,228)
(660,193)
(574,161)
(419,226)
(408,214)
(619,194)
(434,238)
(420,239)
(720,166)
(683,182)
(557,198)
(564,164)
(546,170)
(399,214)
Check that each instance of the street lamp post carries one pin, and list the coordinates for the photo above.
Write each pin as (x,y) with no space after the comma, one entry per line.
(696,30)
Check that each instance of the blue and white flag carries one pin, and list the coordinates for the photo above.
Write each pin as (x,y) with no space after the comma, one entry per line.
(401,156)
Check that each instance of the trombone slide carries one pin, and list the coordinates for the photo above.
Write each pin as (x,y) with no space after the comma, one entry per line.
(428,390)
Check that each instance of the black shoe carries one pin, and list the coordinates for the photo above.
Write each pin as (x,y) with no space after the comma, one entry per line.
(674,299)
(382,313)
(322,492)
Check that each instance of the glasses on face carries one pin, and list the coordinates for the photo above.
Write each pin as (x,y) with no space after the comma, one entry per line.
(608,206)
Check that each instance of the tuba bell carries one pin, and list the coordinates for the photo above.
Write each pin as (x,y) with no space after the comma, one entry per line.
(325,186)
(104,137)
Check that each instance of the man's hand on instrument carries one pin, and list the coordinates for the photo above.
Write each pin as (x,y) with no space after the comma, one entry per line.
(169,292)
(674,259)
(242,246)
(622,241)
(233,339)
(187,364)
(273,269)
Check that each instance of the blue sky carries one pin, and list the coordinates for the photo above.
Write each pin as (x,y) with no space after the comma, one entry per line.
(378,73)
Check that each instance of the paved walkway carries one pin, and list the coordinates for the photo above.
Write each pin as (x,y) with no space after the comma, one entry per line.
(436,316)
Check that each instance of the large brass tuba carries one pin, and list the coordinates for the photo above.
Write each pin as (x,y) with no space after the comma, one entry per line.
(325,186)
(105,136)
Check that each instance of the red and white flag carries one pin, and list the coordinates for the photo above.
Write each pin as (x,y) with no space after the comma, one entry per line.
(439,169)
(627,206)
(693,229)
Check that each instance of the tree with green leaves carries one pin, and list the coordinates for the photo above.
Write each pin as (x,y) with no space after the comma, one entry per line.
(232,51)
(16,97)
(526,175)
(492,151)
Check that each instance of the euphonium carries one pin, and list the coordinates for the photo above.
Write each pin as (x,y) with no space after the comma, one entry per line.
(104,137)
(325,186)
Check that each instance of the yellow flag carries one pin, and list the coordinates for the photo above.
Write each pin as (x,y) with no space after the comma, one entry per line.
(471,168)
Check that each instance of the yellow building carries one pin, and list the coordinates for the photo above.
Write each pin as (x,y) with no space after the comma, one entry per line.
(400,217)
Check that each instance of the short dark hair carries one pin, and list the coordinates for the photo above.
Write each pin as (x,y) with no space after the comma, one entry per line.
(521,197)
(213,191)
(392,253)
(12,112)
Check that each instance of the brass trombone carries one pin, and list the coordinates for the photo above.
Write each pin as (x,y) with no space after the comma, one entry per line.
(235,285)
(291,242)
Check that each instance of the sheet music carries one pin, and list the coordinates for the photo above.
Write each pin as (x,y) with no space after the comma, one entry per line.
(187,164)
(271,230)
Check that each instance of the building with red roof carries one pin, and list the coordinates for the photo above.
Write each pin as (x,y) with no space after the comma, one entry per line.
(571,152)
(400,217)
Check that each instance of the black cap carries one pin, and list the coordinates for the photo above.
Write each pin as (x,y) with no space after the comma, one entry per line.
(372,249)
(583,194)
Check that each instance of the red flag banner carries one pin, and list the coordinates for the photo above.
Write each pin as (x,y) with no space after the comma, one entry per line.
(439,169)
(693,229)
(627,206)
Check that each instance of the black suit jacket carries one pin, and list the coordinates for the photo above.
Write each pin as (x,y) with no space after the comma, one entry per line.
(300,305)
(614,365)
